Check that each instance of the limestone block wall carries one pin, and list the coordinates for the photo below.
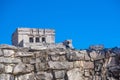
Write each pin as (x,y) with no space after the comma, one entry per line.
(59,64)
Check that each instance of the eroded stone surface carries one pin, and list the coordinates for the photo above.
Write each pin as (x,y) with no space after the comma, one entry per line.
(75,56)
(44,76)
(29,76)
(75,74)
(22,68)
(9,60)
(59,74)
(8,53)
(59,64)
(8,69)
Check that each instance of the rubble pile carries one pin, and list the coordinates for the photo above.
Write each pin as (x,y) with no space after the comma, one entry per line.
(59,64)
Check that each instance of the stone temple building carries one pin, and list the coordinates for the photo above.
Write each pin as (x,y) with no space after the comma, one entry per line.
(27,37)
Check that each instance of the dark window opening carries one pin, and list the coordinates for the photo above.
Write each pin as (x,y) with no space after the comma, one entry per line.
(43,39)
(31,40)
(37,39)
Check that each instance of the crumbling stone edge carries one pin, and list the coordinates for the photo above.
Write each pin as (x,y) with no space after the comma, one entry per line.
(59,64)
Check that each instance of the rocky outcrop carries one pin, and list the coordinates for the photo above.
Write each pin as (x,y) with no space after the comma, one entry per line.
(95,63)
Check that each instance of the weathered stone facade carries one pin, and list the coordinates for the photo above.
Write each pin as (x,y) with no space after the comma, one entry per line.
(59,64)
(27,37)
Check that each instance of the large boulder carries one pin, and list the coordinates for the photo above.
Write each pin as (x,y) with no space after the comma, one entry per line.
(75,74)
(44,76)
(60,65)
(41,66)
(8,69)
(86,55)
(78,64)
(93,54)
(88,65)
(8,60)
(59,74)
(22,68)
(8,53)
(75,56)
(24,54)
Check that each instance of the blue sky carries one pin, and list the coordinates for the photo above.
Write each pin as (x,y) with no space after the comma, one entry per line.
(86,22)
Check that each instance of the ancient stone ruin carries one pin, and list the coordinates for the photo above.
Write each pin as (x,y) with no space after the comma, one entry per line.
(59,63)
(37,38)
(26,37)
